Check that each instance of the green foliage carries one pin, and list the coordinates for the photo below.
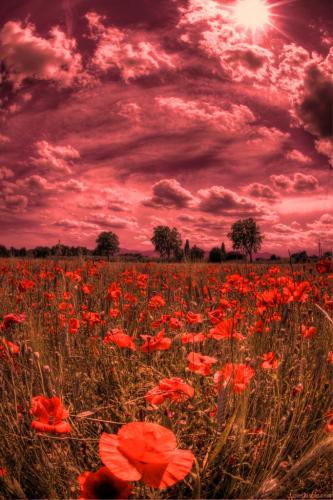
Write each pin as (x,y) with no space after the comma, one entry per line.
(246,236)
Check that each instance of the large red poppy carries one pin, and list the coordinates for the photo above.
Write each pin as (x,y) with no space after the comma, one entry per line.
(50,414)
(102,484)
(146,451)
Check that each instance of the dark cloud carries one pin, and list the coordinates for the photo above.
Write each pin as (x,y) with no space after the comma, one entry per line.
(315,108)
(169,193)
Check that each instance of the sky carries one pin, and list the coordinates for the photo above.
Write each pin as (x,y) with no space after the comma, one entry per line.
(121,115)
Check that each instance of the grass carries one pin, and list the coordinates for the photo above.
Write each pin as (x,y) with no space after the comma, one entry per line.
(268,441)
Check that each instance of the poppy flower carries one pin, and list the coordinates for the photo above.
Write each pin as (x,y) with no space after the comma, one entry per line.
(329,423)
(194,318)
(269,361)
(50,414)
(198,363)
(157,343)
(308,331)
(102,484)
(238,375)
(330,357)
(324,266)
(174,389)
(147,451)
(11,319)
(156,302)
(73,326)
(225,329)
(187,338)
(114,292)
(120,338)
(8,347)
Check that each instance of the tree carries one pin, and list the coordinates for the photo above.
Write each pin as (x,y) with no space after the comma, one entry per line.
(197,253)
(107,244)
(187,250)
(215,255)
(223,252)
(4,252)
(299,257)
(246,236)
(167,241)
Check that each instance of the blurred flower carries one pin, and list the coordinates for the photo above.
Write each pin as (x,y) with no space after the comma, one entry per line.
(147,451)
(102,484)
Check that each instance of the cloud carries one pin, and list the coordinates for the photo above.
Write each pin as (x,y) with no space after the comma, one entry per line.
(27,55)
(73,185)
(4,139)
(258,190)
(168,193)
(132,55)
(298,156)
(111,221)
(15,203)
(36,184)
(5,173)
(228,120)
(315,105)
(300,183)
(54,158)
(74,224)
(325,147)
(218,199)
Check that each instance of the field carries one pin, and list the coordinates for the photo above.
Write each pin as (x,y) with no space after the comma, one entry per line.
(253,408)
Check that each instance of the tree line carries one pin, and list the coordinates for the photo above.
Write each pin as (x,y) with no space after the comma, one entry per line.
(245,236)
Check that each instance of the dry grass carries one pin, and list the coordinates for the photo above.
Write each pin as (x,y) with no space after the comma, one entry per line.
(290,457)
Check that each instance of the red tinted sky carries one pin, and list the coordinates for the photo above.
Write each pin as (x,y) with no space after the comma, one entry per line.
(121,115)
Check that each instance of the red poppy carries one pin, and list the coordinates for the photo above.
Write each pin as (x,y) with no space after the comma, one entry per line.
(174,389)
(225,329)
(11,319)
(147,451)
(102,484)
(238,375)
(329,423)
(50,414)
(8,347)
(330,357)
(25,285)
(324,266)
(156,302)
(114,292)
(269,361)
(198,363)
(194,318)
(308,331)
(188,338)
(157,343)
(73,325)
(120,338)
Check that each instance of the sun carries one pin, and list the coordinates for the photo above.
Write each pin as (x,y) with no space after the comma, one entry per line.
(252,14)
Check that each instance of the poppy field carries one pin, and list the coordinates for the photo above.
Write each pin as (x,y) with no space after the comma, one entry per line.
(165,380)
